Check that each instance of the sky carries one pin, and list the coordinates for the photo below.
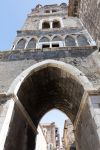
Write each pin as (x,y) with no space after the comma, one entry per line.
(12,17)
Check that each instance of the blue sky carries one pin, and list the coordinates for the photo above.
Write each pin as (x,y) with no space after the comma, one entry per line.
(12,16)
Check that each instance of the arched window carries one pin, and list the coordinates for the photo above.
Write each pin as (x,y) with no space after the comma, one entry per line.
(56,24)
(44,39)
(57,38)
(47,11)
(53,11)
(21,44)
(82,41)
(69,41)
(45,25)
(57,41)
(32,43)
(44,42)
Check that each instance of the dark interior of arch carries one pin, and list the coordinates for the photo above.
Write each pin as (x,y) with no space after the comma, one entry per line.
(50,88)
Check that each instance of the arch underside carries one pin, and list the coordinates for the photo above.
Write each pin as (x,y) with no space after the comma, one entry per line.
(49,88)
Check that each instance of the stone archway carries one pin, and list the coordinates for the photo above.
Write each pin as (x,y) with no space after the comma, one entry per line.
(50,84)
(46,85)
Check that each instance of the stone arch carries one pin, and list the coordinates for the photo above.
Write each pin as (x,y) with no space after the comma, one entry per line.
(44,39)
(57,41)
(57,38)
(70,41)
(21,44)
(47,85)
(46,25)
(49,70)
(56,24)
(82,40)
(32,43)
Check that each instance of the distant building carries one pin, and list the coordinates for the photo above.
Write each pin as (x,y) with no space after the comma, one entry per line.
(51,132)
(68,139)
(41,142)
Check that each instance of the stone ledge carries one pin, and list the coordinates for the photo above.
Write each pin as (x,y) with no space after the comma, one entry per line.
(61,52)
(51,31)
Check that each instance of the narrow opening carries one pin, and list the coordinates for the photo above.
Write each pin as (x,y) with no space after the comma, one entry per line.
(47,11)
(53,11)
(45,46)
(56,24)
(57,134)
(55,45)
(46,25)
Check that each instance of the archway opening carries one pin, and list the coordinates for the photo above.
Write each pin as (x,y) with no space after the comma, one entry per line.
(57,131)
(50,88)
(49,85)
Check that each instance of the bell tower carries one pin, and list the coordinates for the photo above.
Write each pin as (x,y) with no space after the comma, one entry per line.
(48,28)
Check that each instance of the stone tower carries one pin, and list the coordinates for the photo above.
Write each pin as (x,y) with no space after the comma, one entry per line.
(48,28)
(54,63)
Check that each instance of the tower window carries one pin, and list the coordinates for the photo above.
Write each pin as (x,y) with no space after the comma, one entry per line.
(55,45)
(82,41)
(21,44)
(56,24)
(32,43)
(47,11)
(45,25)
(53,11)
(45,46)
(70,41)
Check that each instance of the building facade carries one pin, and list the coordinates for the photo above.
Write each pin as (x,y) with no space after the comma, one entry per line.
(41,142)
(68,139)
(54,63)
(52,135)
(49,27)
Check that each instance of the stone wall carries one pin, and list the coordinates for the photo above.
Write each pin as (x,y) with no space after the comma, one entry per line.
(90,16)
(34,18)
(12,63)
(73,9)
(87,129)
(3,109)
(20,136)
